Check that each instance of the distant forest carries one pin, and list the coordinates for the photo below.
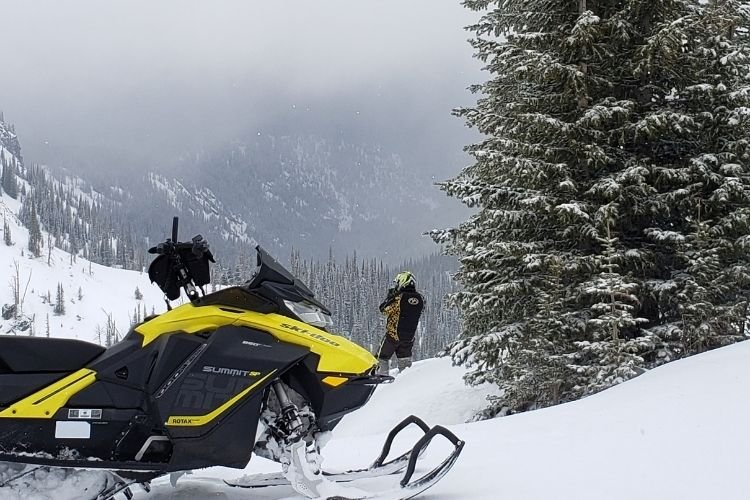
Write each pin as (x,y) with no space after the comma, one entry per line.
(353,289)
(84,224)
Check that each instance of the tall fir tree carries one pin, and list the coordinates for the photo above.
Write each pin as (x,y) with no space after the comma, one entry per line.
(35,233)
(7,237)
(612,191)
(8,179)
(59,308)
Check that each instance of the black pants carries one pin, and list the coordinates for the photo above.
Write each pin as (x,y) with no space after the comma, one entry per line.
(402,347)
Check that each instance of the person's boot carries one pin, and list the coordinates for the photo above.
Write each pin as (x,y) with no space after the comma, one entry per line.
(403,364)
(383,367)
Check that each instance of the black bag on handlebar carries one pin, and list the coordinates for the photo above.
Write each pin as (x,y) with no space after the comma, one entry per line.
(164,270)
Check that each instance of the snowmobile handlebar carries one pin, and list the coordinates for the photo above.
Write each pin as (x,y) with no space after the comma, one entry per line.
(198,245)
(175,226)
(181,265)
(168,247)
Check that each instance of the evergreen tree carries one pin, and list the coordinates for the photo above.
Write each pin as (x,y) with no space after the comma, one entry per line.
(8,179)
(110,331)
(7,237)
(136,317)
(59,308)
(35,234)
(612,191)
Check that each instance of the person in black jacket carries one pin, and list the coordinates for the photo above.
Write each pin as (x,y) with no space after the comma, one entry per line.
(403,307)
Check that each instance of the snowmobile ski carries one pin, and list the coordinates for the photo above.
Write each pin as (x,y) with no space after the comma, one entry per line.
(378,468)
(115,485)
(410,489)
(407,488)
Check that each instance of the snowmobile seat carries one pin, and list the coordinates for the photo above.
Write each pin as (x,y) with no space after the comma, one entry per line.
(40,354)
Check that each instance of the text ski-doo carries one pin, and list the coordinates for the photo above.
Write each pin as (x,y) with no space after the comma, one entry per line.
(246,369)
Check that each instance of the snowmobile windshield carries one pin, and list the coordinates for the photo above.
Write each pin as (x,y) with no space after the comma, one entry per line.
(269,269)
(274,282)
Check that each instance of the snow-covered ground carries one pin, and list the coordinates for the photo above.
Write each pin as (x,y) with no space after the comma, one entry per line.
(677,432)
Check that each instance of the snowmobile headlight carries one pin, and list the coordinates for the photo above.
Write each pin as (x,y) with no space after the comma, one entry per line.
(310,314)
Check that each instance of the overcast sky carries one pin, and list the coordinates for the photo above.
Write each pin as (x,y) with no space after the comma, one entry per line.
(91,83)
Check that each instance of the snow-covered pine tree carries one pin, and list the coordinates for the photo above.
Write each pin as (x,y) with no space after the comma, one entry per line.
(612,193)
(110,330)
(59,308)
(35,234)
(8,179)
(7,237)
(136,319)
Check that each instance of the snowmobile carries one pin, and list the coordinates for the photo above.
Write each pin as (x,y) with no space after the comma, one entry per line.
(249,369)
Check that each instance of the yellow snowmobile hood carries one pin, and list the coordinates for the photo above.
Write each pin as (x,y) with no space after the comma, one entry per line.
(337,354)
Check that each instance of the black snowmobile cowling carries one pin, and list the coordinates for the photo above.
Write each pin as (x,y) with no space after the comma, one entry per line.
(187,389)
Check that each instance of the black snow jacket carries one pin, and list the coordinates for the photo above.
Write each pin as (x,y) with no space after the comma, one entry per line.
(403,310)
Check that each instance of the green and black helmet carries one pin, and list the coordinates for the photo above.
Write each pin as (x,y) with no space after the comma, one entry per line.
(403,280)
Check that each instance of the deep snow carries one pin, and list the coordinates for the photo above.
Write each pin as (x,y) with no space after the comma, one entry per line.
(677,432)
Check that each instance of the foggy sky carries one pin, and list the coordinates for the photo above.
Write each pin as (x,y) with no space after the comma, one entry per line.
(114,84)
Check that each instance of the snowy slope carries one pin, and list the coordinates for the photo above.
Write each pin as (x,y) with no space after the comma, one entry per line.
(676,432)
(104,290)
